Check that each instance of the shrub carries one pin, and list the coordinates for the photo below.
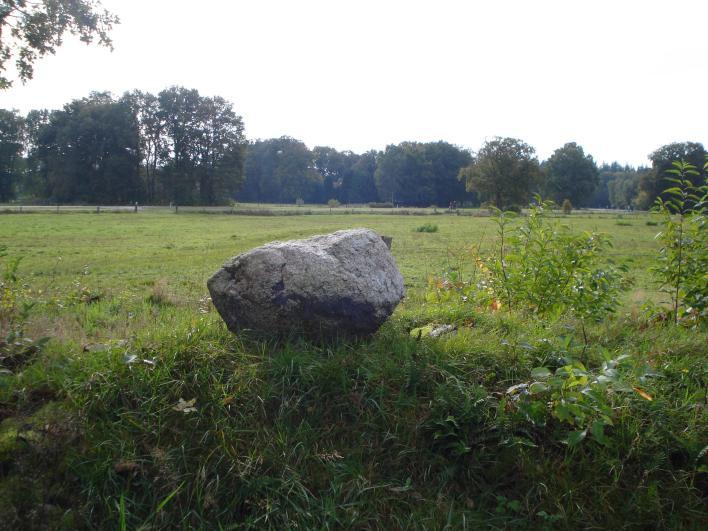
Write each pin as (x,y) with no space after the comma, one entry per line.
(541,267)
(15,348)
(428,227)
(333,203)
(683,255)
(567,206)
(574,396)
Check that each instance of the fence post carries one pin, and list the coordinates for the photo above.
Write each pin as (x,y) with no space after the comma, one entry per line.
(98,209)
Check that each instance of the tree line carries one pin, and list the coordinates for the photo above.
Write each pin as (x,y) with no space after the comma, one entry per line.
(176,146)
(180,147)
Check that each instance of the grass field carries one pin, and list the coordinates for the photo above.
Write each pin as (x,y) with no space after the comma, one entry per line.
(389,432)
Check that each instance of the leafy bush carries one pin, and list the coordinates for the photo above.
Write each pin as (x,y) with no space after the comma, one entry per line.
(547,268)
(15,348)
(576,397)
(567,206)
(539,266)
(684,256)
(428,227)
(333,203)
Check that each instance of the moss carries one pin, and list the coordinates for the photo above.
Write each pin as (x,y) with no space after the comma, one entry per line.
(32,451)
(9,441)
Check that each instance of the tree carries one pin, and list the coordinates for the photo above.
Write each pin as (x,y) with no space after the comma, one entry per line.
(199,142)
(11,145)
(146,109)
(504,172)
(606,173)
(623,189)
(361,185)
(280,170)
(404,175)
(35,182)
(446,161)
(653,183)
(421,174)
(30,29)
(178,109)
(89,151)
(570,174)
(220,150)
(334,167)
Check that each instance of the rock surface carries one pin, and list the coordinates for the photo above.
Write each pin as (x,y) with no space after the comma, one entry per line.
(346,283)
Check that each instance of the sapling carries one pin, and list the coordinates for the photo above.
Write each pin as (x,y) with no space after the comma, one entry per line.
(683,255)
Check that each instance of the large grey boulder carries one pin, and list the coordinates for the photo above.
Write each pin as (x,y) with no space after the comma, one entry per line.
(346,283)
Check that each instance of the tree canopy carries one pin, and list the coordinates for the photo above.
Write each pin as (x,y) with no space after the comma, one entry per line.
(653,183)
(11,145)
(178,146)
(421,174)
(30,29)
(88,151)
(504,172)
(570,174)
(280,170)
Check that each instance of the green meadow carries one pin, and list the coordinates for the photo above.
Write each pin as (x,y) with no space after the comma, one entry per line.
(141,411)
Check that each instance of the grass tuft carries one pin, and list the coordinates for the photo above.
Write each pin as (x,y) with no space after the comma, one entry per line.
(160,295)
(427,227)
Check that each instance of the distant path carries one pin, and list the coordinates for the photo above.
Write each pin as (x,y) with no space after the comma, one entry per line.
(260,209)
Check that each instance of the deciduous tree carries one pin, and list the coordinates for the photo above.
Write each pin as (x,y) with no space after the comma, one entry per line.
(653,183)
(11,145)
(505,172)
(570,174)
(89,151)
(30,29)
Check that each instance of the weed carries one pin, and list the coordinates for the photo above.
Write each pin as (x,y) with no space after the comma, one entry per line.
(16,350)
(427,227)
(160,294)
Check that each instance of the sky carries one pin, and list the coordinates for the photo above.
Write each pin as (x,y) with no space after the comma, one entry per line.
(620,78)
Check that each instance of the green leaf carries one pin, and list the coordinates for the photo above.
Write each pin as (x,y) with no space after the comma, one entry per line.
(575,437)
(673,190)
(537,387)
(540,373)
(598,432)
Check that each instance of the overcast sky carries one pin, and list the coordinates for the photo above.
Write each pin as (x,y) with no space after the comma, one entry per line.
(619,77)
